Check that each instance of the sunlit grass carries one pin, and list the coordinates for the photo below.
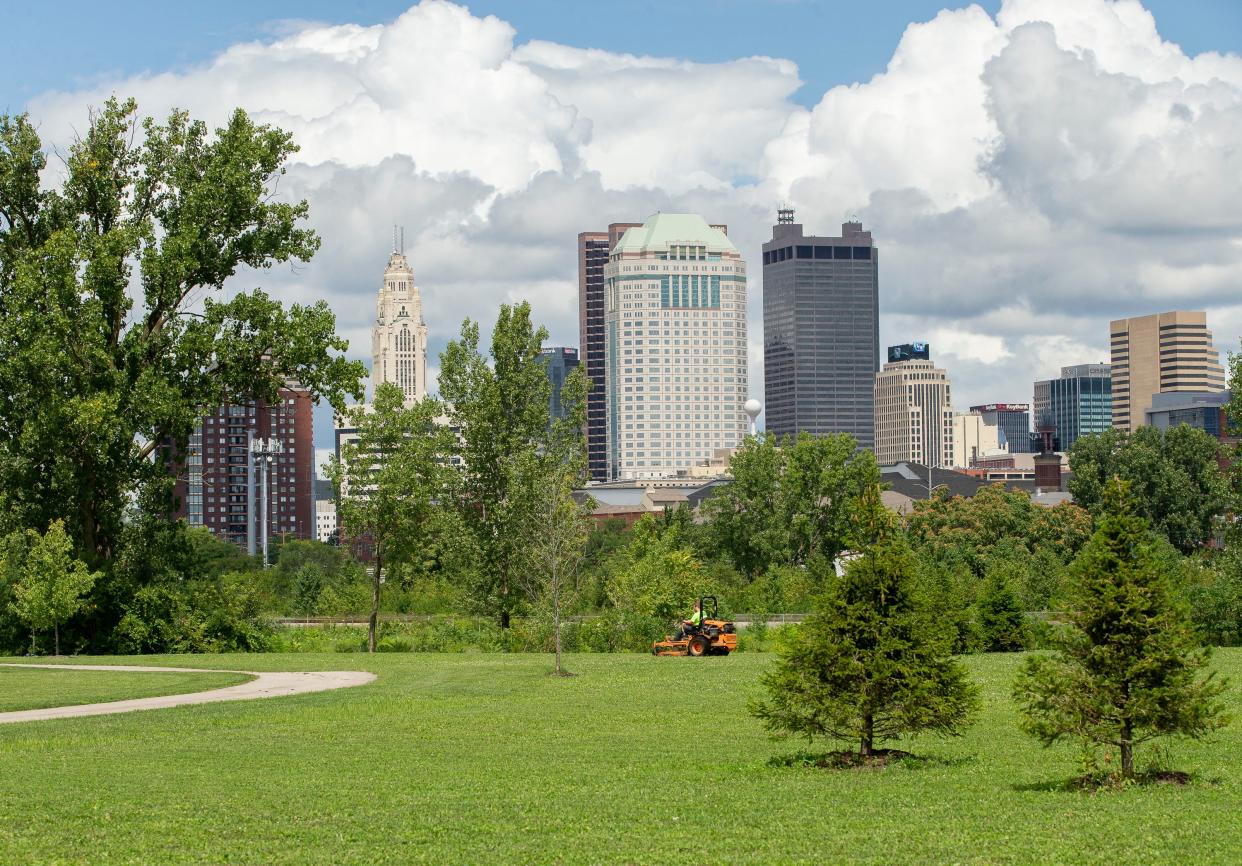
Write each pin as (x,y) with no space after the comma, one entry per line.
(35,688)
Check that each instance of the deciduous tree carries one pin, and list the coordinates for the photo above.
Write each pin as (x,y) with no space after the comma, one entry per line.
(53,582)
(392,482)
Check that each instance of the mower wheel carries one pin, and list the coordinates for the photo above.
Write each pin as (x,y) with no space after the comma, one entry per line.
(699,646)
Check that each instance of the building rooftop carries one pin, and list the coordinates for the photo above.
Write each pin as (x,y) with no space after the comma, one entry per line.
(663,229)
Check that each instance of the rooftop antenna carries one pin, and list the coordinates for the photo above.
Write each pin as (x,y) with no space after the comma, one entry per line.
(785,215)
(403,240)
(394,237)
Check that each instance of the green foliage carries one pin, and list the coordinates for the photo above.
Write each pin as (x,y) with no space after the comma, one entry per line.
(53,584)
(871,663)
(112,345)
(1002,623)
(392,481)
(1174,476)
(788,503)
(224,613)
(1215,597)
(1127,663)
(500,411)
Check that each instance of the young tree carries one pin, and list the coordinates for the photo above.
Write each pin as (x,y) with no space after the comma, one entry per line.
(559,526)
(53,583)
(871,663)
(112,345)
(788,502)
(1002,623)
(1127,663)
(500,412)
(391,482)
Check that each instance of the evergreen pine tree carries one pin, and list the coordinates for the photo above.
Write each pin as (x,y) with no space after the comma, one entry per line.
(1127,666)
(1002,622)
(871,663)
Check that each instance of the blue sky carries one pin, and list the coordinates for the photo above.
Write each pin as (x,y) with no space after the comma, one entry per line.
(69,44)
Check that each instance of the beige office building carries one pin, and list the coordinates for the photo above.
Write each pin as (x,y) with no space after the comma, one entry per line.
(913,414)
(974,437)
(399,336)
(675,347)
(1159,354)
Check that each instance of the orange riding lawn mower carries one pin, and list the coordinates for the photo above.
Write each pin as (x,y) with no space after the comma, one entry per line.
(712,637)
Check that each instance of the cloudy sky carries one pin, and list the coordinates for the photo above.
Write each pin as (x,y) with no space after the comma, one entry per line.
(1029,168)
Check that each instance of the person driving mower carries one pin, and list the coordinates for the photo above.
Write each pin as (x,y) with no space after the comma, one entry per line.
(691,626)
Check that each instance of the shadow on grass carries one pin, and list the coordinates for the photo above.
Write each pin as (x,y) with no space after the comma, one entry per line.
(1092,783)
(879,759)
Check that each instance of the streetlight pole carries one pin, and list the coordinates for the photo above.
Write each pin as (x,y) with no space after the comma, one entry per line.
(263,452)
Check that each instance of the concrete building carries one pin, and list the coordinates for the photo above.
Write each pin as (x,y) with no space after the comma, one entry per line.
(1013,420)
(1159,354)
(593,249)
(558,362)
(675,337)
(325,520)
(213,487)
(1081,402)
(399,336)
(974,437)
(913,414)
(821,331)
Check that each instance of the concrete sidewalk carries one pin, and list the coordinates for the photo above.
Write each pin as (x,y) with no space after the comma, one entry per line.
(264,685)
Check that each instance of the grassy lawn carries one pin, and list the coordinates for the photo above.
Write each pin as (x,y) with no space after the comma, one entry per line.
(35,688)
(485,759)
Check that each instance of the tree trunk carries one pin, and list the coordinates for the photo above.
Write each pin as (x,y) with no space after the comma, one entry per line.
(56,637)
(1127,751)
(868,735)
(556,618)
(375,603)
(504,618)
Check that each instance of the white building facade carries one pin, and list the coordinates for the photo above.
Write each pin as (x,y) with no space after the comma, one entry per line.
(325,519)
(913,414)
(675,336)
(399,337)
(974,437)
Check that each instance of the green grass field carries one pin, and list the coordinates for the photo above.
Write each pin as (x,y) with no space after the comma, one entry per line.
(35,688)
(486,759)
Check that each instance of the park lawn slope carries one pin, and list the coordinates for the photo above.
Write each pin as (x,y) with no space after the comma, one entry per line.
(33,688)
(479,758)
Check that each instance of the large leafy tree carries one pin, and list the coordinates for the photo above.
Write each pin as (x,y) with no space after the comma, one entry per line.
(392,481)
(500,412)
(1174,476)
(872,663)
(115,332)
(1127,666)
(789,502)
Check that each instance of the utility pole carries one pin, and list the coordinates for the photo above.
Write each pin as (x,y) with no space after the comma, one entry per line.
(262,452)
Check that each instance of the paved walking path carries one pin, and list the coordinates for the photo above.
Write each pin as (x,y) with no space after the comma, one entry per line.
(264,685)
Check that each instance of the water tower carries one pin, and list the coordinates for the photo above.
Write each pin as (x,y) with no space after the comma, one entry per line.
(752,408)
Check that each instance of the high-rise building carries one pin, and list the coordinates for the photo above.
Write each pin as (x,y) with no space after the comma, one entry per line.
(399,336)
(1203,411)
(975,437)
(1014,422)
(214,486)
(675,339)
(913,414)
(558,363)
(1159,354)
(1080,402)
(593,249)
(821,331)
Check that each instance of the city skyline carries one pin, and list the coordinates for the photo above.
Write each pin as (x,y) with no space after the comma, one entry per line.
(1010,269)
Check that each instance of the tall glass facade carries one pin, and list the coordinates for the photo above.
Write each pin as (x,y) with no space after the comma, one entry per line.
(558,363)
(1081,402)
(821,332)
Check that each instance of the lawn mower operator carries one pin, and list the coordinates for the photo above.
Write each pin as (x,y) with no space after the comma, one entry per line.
(691,625)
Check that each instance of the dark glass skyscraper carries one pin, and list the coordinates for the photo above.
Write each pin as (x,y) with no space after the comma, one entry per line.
(821,331)
(593,250)
(558,362)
